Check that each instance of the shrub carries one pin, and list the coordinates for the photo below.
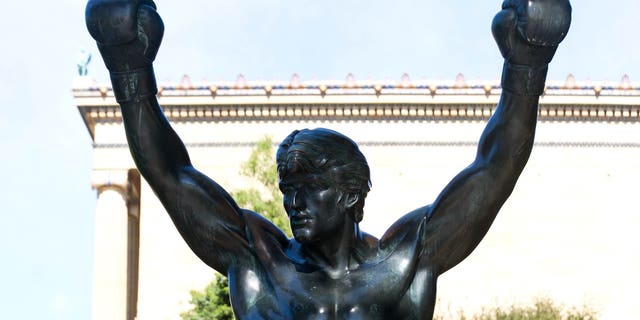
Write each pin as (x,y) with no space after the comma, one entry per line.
(542,309)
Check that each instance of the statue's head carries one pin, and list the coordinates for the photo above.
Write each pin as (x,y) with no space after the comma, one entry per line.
(322,170)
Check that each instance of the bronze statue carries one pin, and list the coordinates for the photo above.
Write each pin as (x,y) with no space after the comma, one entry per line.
(330,269)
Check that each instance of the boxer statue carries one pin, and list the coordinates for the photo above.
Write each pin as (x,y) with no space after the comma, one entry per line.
(330,269)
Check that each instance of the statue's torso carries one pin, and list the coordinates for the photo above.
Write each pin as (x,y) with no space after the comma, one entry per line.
(387,284)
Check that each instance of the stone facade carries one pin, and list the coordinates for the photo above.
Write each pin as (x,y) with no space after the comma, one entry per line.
(567,232)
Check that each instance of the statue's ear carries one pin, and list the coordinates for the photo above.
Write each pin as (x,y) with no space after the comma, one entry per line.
(350,200)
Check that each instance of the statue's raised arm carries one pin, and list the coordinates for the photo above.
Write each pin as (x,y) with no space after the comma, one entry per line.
(528,34)
(128,33)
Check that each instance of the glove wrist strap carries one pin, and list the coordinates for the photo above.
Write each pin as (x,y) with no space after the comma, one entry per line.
(523,80)
(134,85)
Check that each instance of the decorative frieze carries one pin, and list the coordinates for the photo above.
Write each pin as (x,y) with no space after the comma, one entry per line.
(329,101)
(552,144)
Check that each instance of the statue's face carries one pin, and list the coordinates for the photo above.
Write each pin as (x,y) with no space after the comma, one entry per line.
(314,205)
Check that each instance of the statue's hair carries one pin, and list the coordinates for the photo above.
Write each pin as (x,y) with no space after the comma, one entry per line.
(322,150)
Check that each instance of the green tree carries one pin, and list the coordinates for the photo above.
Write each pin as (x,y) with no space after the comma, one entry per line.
(267,198)
(213,302)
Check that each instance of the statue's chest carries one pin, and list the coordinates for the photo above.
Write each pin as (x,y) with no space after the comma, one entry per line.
(371,292)
(283,283)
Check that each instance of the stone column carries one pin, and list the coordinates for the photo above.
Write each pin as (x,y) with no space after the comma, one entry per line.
(110,248)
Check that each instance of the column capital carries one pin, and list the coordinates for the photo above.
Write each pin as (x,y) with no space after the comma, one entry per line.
(110,178)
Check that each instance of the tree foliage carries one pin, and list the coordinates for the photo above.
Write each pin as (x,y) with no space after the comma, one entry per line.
(267,198)
(543,308)
(213,302)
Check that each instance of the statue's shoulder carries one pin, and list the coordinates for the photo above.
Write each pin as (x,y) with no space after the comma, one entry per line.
(260,230)
(409,223)
(406,232)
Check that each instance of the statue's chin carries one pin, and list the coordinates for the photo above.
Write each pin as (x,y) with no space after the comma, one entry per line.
(302,235)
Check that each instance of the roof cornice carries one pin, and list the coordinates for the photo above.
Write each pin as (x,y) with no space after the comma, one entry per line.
(362,101)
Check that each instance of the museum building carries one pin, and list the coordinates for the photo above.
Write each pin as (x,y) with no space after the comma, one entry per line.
(568,231)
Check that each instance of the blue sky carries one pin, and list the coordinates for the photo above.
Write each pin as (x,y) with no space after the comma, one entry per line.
(46,203)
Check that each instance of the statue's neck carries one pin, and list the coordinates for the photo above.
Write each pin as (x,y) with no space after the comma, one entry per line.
(335,255)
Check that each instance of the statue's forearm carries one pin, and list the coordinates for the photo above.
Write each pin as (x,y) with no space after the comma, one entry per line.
(156,149)
(462,214)
(527,34)
(508,138)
